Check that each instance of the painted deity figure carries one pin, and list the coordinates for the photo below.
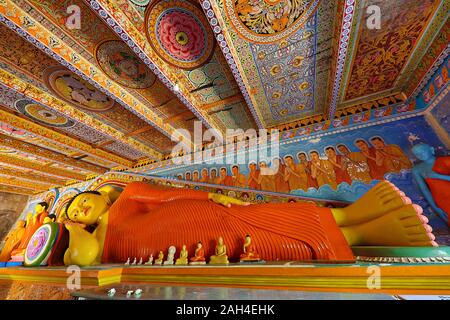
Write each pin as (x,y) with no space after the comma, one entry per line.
(376,164)
(136,224)
(433,177)
(281,185)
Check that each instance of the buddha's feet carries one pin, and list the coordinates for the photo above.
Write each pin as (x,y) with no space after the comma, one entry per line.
(403,227)
(378,201)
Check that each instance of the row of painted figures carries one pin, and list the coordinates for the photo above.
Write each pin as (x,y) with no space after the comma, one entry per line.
(249,254)
(340,165)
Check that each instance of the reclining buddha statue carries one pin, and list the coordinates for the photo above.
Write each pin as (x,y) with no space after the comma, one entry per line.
(144,219)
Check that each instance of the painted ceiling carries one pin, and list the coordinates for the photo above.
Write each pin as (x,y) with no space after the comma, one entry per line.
(77,101)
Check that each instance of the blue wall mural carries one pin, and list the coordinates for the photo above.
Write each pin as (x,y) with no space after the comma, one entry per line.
(339,166)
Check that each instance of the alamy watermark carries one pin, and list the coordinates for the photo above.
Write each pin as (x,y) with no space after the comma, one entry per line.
(373,21)
(235,147)
(73,19)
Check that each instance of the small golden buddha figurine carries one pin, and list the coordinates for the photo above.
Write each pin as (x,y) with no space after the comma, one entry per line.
(250,254)
(183,260)
(221,253)
(199,257)
(160,259)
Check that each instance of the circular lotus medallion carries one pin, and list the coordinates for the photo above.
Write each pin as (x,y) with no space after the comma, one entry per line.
(42,114)
(122,65)
(140,3)
(76,90)
(269,21)
(179,33)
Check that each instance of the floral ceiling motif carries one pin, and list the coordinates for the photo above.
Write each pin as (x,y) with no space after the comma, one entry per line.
(268,21)
(123,66)
(179,33)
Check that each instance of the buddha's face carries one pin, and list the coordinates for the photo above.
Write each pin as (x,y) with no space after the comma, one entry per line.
(220,241)
(87,208)
(199,245)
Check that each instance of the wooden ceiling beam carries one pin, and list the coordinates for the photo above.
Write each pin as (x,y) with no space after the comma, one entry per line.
(139,131)
(31,176)
(53,156)
(221,103)
(16,190)
(46,133)
(37,167)
(8,181)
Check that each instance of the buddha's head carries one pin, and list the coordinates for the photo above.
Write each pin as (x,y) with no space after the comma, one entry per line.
(88,206)
(423,151)
(220,241)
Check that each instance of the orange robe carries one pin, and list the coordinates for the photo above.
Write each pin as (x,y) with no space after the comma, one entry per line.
(144,220)
(440,189)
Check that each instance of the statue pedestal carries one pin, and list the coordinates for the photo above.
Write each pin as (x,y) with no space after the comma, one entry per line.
(193,263)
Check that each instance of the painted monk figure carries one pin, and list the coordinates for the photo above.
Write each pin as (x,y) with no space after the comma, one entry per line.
(376,165)
(338,166)
(204,176)
(392,156)
(295,175)
(144,220)
(239,180)
(355,164)
(253,177)
(225,179)
(281,185)
(305,165)
(322,171)
(266,177)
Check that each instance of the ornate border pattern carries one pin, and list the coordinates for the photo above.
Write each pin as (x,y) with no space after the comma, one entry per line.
(344,42)
(223,44)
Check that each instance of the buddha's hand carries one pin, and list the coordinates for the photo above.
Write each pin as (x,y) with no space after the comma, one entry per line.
(225,200)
